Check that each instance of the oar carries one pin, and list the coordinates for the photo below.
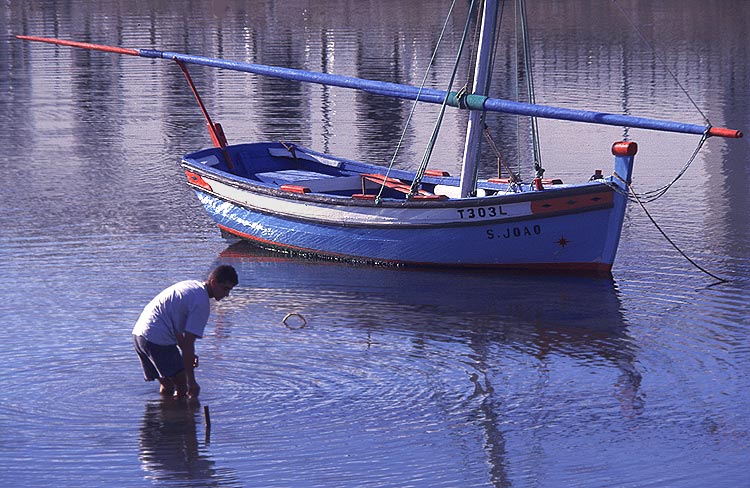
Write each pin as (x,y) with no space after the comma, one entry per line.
(471,102)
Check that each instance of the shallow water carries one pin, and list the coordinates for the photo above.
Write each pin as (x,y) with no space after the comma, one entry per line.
(400,377)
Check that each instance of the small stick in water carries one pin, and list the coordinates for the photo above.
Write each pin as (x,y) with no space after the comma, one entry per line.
(208,424)
(208,417)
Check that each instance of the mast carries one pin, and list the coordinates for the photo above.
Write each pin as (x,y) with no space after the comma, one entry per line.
(482,74)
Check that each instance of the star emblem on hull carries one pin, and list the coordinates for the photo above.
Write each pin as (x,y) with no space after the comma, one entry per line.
(563,242)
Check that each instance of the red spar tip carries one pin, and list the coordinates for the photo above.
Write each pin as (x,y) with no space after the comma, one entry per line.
(83,45)
(722,132)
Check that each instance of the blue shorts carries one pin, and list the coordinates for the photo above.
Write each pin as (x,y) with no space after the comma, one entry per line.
(157,361)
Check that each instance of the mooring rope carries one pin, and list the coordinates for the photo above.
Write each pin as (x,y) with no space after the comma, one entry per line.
(652,195)
(632,196)
(674,245)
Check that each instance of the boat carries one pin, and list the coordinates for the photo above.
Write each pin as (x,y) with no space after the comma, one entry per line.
(289,198)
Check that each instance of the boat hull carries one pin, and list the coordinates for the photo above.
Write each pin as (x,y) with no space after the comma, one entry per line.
(567,228)
(547,243)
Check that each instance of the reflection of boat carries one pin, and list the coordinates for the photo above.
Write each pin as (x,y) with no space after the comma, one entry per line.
(579,314)
(287,197)
(538,321)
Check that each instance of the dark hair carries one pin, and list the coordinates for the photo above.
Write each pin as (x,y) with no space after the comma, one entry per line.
(224,274)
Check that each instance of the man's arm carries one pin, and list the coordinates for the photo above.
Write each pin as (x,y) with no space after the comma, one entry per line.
(187,346)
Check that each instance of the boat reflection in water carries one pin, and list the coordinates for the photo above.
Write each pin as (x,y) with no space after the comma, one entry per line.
(498,358)
(535,316)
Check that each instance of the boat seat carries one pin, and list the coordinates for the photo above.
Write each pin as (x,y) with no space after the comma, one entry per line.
(210,160)
(327,184)
(545,181)
(283,176)
(398,185)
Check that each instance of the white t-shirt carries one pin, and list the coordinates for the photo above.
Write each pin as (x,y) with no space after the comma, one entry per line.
(183,307)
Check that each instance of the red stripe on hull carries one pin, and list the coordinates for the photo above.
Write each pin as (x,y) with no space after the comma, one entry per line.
(580,202)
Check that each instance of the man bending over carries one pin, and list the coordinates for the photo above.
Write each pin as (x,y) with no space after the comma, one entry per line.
(164,335)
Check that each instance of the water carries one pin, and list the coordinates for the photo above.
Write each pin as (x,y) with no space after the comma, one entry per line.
(400,377)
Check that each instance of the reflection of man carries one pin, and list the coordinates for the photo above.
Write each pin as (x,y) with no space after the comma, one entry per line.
(169,447)
(165,333)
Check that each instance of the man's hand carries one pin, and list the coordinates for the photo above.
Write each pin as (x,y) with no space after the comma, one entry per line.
(190,361)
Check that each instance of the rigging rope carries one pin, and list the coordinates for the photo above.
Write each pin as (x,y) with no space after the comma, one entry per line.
(472,52)
(436,129)
(512,177)
(530,89)
(661,60)
(536,152)
(517,84)
(470,82)
(416,100)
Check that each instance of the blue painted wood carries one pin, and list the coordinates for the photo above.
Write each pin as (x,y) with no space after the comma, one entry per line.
(564,242)
(579,239)
(471,102)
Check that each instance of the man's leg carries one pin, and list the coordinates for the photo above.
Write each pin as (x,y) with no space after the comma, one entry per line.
(161,362)
(167,387)
(180,384)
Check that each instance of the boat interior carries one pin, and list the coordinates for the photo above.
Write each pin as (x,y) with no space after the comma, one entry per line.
(299,170)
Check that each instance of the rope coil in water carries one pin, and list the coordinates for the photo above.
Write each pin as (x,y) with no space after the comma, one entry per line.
(301,322)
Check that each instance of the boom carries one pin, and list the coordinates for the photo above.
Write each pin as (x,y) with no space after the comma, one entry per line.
(396,90)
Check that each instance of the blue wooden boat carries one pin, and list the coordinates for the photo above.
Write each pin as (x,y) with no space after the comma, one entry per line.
(289,198)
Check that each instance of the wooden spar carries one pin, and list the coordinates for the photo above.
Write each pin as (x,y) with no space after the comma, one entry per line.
(471,102)
(82,45)
(214,129)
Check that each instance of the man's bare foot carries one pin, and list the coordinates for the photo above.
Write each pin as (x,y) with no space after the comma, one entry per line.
(166,387)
